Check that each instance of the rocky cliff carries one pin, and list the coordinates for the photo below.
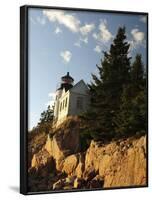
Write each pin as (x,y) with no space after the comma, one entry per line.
(121,163)
(60,164)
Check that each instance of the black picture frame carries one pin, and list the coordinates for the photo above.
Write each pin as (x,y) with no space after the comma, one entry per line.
(24,94)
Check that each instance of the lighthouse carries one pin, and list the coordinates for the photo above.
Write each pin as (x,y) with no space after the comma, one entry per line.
(66,84)
(70,99)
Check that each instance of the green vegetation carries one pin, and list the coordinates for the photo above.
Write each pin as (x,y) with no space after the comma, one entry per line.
(118,94)
(38,135)
(132,115)
(45,122)
(118,106)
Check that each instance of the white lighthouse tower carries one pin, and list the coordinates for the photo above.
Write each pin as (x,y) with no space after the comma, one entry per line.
(66,84)
(71,100)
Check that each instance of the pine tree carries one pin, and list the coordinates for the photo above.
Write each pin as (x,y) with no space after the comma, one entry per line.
(106,89)
(45,122)
(137,71)
(47,115)
(132,116)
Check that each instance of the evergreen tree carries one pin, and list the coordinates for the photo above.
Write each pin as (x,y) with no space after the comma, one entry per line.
(106,89)
(45,123)
(137,71)
(47,115)
(132,115)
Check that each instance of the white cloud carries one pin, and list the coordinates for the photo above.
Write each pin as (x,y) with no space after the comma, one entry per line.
(137,40)
(57,30)
(97,49)
(32,20)
(86,29)
(143,19)
(104,35)
(68,20)
(71,22)
(41,20)
(95,36)
(66,55)
(84,39)
(77,44)
(137,35)
(132,46)
(80,41)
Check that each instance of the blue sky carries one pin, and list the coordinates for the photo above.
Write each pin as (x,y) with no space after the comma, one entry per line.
(61,41)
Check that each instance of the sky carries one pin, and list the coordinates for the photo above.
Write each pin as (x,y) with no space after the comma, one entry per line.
(65,40)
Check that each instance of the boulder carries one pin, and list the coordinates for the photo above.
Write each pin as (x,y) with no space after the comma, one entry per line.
(121,163)
(104,164)
(89,174)
(96,182)
(64,142)
(113,164)
(70,179)
(81,165)
(80,169)
(79,183)
(65,183)
(69,182)
(70,164)
(59,184)
(40,158)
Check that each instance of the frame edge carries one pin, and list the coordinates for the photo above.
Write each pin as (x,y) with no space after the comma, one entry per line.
(23,99)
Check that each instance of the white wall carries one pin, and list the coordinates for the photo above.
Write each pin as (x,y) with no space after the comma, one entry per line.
(56,107)
(73,110)
(64,111)
(9,99)
(80,87)
(79,90)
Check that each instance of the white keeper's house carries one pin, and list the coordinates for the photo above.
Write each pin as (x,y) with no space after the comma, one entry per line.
(71,99)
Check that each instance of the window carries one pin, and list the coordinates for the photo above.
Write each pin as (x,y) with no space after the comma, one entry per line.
(79,102)
(60,106)
(66,102)
(63,105)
